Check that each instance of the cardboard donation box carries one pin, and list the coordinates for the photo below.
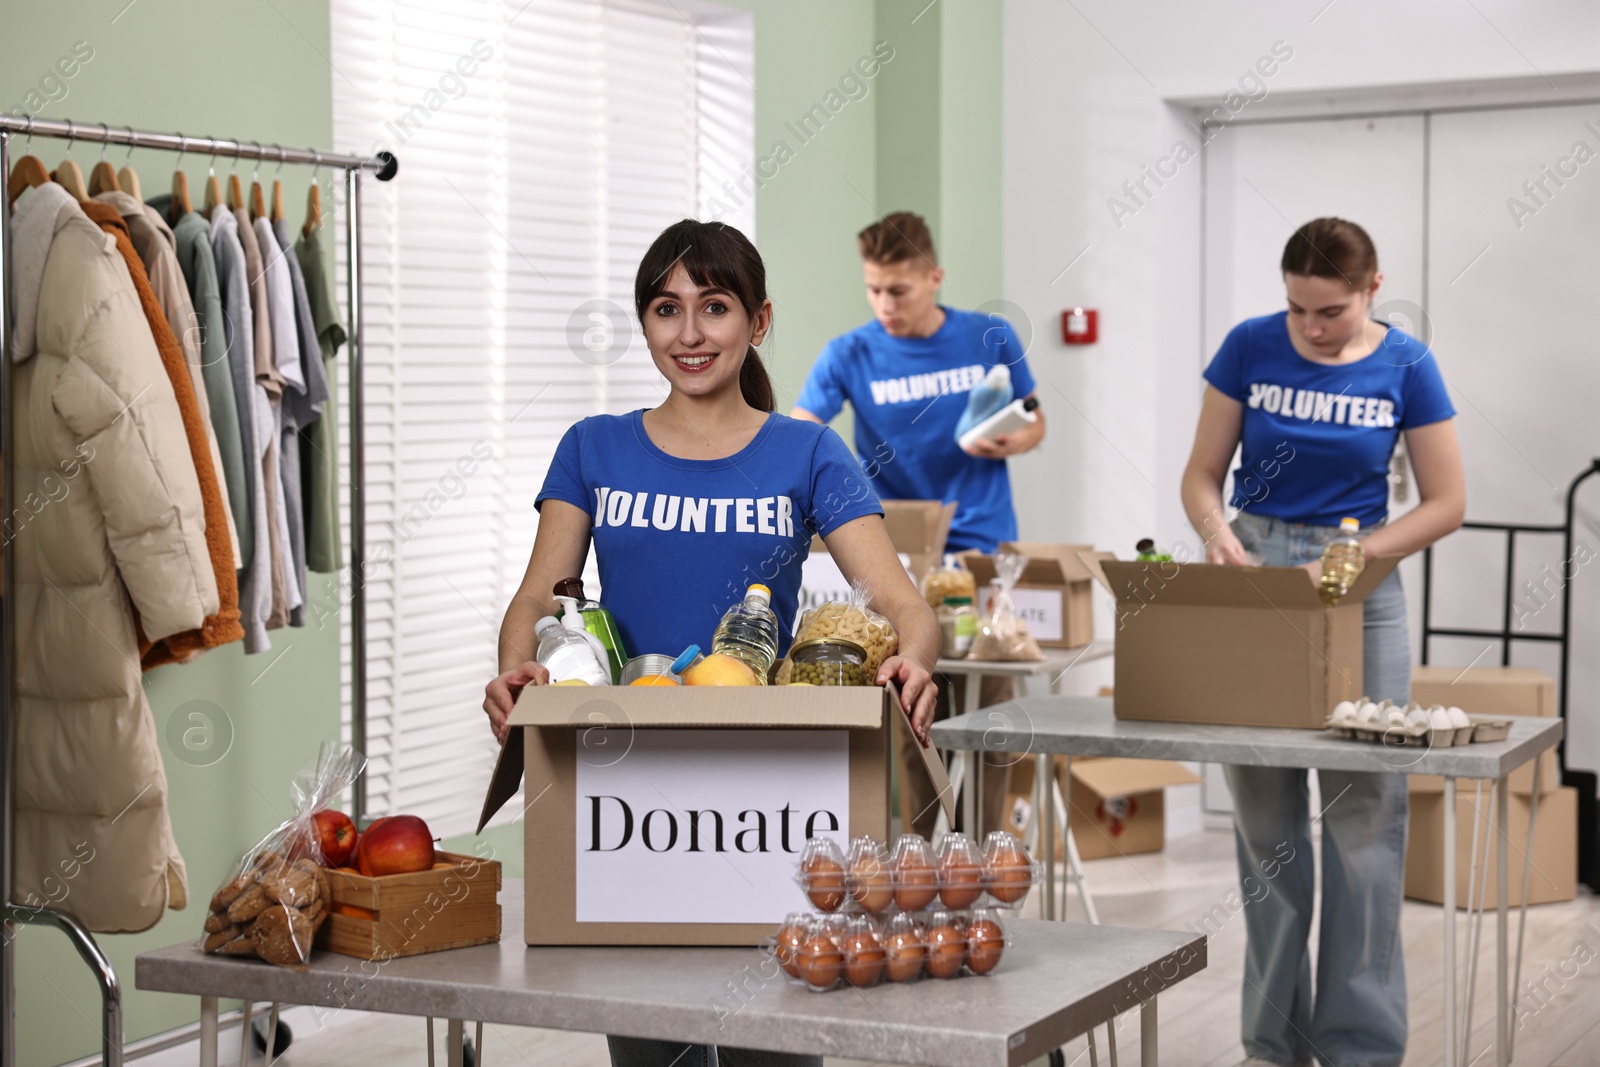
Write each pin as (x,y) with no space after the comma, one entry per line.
(1497,691)
(1555,846)
(1116,807)
(917,529)
(676,815)
(1055,595)
(1242,646)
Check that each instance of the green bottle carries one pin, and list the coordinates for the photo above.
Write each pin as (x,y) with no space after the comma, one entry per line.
(598,621)
(1147,552)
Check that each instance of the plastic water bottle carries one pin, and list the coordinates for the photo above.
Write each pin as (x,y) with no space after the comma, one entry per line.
(986,398)
(1342,562)
(569,652)
(749,632)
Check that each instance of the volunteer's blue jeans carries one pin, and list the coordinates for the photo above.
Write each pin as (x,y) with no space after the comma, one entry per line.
(1356,1015)
(642,1052)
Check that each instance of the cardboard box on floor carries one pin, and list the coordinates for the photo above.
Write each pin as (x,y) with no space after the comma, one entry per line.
(1490,691)
(917,528)
(676,816)
(1244,646)
(1555,847)
(1116,807)
(1055,595)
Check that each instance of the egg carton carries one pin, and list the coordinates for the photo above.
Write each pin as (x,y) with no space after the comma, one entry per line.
(1389,724)
(832,951)
(917,878)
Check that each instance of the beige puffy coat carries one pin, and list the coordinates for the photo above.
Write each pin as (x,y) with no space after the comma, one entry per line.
(108,515)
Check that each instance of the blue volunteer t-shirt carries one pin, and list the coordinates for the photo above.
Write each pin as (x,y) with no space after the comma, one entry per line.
(908,393)
(678,541)
(1316,438)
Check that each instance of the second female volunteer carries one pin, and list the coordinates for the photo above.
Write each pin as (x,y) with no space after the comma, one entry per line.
(715,442)
(1317,396)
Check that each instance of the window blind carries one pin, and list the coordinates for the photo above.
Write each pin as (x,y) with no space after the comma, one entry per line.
(542,145)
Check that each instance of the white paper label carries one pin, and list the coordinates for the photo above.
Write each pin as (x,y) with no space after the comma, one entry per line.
(1039,608)
(706,826)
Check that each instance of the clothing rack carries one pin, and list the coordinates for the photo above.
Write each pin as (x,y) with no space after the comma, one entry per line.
(384,166)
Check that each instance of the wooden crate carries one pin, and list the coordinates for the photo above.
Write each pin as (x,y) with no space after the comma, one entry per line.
(454,905)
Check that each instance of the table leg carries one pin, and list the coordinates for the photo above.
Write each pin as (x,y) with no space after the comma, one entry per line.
(1042,773)
(1111,1040)
(244,1034)
(959,763)
(1522,919)
(430,1041)
(477,1044)
(453,1035)
(1502,1040)
(208,1032)
(1147,1033)
(969,801)
(1450,1059)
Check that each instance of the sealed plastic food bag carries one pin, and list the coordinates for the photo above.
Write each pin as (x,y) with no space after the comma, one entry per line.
(1002,635)
(948,579)
(277,895)
(850,619)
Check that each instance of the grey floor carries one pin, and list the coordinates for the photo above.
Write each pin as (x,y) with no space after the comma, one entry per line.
(1199,1020)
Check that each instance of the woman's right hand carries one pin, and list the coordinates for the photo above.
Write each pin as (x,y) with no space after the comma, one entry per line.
(501,694)
(1225,548)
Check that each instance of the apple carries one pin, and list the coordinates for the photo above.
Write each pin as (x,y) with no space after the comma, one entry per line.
(336,836)
(398,844)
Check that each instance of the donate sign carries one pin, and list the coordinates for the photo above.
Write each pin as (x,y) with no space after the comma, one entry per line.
(705,826)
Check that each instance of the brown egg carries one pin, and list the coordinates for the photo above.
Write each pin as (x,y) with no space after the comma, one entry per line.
(863,959)
(789,941)
(819,961)
(870,884)
(947,950)
(960,881)
(1007,872)
(985,944)
(906,955)
(916,882)
(824,880)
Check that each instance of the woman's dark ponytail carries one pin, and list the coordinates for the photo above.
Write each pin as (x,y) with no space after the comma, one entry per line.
(754,383)
(713,253)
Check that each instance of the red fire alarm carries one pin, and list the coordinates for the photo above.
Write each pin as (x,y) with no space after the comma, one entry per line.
(1079,326)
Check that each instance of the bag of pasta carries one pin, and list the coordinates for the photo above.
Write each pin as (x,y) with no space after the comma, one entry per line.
(950,579)
(277,895)
(850,619)
(1002,635)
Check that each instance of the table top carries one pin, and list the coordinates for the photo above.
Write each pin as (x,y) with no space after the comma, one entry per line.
(1056,981)
(1055,660)
(1085,726)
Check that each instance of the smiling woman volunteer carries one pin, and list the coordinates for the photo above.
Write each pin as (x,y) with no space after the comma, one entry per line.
(712,445)
(1317,396)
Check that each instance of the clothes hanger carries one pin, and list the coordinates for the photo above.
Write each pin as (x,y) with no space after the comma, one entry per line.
(313,200)
(257,207)
(235,197)
(67,174)
(127,177)
(29,173)
(180,205)
(277,188)
(104,176)
(213,188)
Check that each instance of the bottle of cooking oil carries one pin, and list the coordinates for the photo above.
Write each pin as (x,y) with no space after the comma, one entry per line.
(1342,562)
(749,632)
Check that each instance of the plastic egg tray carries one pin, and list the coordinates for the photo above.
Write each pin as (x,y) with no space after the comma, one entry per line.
(823,952)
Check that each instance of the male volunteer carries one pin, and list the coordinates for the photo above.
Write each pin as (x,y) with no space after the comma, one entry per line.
(907,374)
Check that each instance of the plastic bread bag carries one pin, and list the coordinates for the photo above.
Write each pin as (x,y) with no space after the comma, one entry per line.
(1002,635)
(948,579)
(277,896)
(851,619)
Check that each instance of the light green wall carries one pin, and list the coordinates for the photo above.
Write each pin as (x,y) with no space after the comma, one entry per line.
(232,68)
(924,136)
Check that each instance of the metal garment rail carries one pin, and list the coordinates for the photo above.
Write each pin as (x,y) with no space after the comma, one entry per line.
(384,166)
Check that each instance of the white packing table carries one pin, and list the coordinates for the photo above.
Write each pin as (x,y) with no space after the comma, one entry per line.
(1056,982)
(1046,791)
(1085,726)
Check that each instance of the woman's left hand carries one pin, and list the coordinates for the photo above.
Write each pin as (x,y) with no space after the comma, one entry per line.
(918,693)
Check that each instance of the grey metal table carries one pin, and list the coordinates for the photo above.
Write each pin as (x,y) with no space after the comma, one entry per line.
(1086,726)
(1056,982)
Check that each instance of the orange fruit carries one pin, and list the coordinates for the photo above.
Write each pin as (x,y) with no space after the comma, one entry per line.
(653,679)
(720,669)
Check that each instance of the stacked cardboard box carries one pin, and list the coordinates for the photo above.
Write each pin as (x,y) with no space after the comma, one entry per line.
(1116,807)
